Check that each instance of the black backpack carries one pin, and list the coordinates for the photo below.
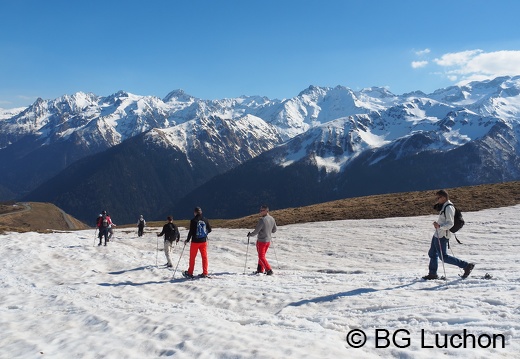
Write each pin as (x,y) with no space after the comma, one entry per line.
(103,221)
(458,221)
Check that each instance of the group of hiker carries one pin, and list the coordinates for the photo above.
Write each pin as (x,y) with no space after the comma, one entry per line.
(104,224)
(198,236)
(266,226)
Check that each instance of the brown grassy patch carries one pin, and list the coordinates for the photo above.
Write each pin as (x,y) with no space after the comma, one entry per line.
(406,204)
(42,217)
(37,217)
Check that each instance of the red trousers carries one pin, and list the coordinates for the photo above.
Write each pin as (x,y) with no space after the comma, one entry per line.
(261,248)
(194,249)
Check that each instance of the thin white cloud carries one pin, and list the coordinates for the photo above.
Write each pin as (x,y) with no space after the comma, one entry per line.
(476,65)
(422,52)
(419,64)
(457,58)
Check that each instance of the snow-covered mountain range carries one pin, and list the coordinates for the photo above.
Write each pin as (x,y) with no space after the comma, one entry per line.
(333,141)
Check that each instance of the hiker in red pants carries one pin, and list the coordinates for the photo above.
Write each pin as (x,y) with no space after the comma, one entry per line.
(198,234)
(265,227)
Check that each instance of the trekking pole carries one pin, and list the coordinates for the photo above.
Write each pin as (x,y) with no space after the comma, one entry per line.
(157,254)
(177,266)
(95,236)
(247,250)
(453,254)
(442,255)
(274,249)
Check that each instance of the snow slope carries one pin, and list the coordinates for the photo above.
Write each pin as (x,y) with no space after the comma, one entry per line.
(63,297)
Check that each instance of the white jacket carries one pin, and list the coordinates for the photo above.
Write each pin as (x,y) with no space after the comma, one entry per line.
(446,220)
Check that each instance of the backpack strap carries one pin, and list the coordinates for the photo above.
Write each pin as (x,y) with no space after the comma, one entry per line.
(457,239)
(444,210)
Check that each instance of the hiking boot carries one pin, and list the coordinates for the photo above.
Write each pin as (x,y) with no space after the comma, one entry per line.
(185,274)
(169,265)
(269,272)
(203,275)
(468,269)
(100,243)
(430,277)
(259,270)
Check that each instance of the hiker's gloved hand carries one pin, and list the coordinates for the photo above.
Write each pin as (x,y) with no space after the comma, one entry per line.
(187,241)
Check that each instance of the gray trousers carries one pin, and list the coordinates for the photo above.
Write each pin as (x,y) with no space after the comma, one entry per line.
(168,247)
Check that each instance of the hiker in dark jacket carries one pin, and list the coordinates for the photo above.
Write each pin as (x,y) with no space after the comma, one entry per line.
(141,223)
(439,243)
(198,234)
(171,233)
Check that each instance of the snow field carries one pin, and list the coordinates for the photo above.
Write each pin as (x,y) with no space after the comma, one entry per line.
(64,297)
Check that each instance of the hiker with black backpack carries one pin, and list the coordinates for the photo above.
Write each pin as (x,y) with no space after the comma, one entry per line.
(198,234)
(103,224)
(141,223)
(171,233)
(440,240)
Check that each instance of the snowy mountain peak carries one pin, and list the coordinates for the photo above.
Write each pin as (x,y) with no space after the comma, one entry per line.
(334,134)
(178,96)
(314,91)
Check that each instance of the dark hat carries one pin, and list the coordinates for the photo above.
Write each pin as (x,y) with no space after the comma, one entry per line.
(170,218)
(198,210)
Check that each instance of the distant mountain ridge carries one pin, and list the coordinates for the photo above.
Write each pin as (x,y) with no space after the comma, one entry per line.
(323,144)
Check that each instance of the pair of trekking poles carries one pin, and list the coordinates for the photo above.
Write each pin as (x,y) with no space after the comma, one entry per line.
(442,255)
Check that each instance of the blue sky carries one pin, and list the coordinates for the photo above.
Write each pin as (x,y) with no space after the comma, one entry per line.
(227,48)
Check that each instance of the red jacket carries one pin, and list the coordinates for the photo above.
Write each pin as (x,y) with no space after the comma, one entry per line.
(104,222)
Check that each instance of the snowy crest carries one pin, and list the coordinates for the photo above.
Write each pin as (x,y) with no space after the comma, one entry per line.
(326,127)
